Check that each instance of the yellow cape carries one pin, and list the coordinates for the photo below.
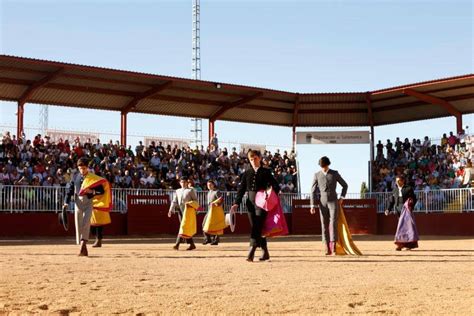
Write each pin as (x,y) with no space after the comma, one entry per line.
(345,245)
(188,226)
(102,204)
(215,219)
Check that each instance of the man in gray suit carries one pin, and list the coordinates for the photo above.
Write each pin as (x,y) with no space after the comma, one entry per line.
(82,204)
(325,181)
(183,195)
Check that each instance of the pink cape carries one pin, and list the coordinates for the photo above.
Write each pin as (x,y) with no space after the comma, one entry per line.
(267,199)
(275,222)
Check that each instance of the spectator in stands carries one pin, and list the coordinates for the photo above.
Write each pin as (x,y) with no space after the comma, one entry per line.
(380,149)
(452,140)
(215,141)
(426,142)
(43,158)
(426,166)
(462,139)
(468,175)
(155,161)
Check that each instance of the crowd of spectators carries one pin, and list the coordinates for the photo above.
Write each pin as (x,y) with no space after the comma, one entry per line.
(425,165)
(42,162)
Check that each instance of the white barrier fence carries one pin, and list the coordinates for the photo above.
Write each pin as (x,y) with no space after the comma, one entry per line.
(447,200)
(47,199)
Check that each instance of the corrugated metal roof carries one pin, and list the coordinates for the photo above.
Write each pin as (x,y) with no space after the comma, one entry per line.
(448,80)
(110,89)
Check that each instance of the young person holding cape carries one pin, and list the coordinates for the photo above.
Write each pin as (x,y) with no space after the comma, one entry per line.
(185,203)
(252,180)
(402,202)
(91,193)
(214,222)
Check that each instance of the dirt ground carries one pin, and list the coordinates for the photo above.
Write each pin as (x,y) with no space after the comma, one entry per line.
(145,276)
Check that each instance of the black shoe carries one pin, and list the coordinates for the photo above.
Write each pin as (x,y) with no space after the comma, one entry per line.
(265,255)
(215,242)
(206,241)
(251,254)
(97,243)
(191,247)
(83,252)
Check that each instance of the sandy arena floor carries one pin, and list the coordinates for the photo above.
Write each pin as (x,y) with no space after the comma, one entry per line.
(143,276)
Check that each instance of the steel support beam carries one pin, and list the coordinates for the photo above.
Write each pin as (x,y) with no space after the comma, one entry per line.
(123,129)
(295,119)
(147,94)
(26,95)
(440,102)
(227,106)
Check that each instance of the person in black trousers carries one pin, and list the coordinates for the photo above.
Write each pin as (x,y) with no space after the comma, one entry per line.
(255,179)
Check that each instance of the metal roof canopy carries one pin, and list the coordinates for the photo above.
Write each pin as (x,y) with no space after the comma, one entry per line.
(26,80)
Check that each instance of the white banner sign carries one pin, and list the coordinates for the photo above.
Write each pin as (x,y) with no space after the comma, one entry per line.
(71,136)
(322,138)
(247,147)
(167,141)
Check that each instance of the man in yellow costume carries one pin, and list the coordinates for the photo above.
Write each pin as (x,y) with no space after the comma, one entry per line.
(185,203)
(214,222)
(91,193)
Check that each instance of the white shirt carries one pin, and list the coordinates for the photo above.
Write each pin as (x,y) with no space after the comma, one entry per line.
(399,191)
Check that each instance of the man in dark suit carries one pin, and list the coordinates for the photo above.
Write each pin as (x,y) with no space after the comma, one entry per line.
(255,179)
(399,196)
(325,181)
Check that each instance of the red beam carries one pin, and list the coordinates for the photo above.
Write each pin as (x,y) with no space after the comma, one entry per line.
(369,109)
(440,102)
(227,106)
(422,84)
(295,119)
(15,81)
(38,84)
(296,109)
(147,94)
(427,91)
(123,128)
(76,88)
(330,102)
(108,71)
(332,111)
(19,120)
(418,103)
(433,100)
(265,108)
(27,94)
(211,131)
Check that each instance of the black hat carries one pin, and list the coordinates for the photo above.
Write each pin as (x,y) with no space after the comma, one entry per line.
(63,218)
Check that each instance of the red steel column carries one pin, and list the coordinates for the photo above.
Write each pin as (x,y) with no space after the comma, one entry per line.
(459,123)
(123,129)
(294,138)
(19,119)
(211,130)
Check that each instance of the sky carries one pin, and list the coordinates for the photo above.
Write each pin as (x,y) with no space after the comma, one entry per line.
(298,46)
